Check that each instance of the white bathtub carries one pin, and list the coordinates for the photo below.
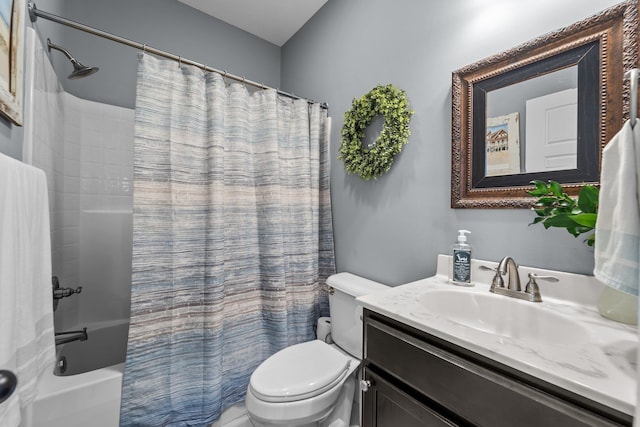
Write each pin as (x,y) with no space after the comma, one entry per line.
(92,399)
(82,400)
(89,393)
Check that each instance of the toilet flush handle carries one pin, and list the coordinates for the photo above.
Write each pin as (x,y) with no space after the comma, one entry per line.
(328,289)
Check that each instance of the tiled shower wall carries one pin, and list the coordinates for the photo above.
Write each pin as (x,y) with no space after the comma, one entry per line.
(98,147)
(86,150)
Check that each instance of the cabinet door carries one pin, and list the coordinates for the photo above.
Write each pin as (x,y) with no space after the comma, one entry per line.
(387,406)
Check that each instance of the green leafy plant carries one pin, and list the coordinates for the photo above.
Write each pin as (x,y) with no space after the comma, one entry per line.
(376,159)
(557,209)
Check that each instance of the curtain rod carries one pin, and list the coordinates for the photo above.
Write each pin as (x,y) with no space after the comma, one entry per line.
(35,13)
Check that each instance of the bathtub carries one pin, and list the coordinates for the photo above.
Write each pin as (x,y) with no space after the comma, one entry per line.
(82,400)
(92,398)
(89,392)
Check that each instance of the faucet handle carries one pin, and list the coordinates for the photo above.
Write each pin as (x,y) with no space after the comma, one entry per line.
(534,276)
(532,286)
(497,281)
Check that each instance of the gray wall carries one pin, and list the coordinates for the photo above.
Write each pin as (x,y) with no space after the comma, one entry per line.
(392,229)
(10,139)
(164,24)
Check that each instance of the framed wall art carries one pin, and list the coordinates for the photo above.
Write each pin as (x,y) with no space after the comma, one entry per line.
(12,16)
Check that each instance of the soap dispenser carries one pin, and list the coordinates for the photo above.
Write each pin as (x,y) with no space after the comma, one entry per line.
(461,263)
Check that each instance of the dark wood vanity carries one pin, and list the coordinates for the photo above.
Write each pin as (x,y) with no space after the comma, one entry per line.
(417,379)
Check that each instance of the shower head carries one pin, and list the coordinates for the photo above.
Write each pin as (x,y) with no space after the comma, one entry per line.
(79,70)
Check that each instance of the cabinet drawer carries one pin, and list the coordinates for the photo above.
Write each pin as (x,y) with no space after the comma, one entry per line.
(476,394)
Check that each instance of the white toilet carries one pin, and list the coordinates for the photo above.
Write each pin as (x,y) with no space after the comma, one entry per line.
(314,383)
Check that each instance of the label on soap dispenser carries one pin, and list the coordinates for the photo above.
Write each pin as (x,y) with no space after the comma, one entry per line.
(461,266)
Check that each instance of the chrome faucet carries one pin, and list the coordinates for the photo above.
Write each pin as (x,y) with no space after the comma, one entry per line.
(508,266)
(513,289)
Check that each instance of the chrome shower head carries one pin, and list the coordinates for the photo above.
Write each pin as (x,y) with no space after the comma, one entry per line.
(79,70)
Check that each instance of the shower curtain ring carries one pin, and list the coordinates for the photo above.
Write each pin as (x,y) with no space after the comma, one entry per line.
(179,61)
(144,48)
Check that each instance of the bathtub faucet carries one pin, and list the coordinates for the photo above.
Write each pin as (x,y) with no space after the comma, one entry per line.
(70,336)
(59,292)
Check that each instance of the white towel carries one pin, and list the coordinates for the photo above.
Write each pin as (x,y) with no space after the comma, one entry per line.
(26,314)
(617,247)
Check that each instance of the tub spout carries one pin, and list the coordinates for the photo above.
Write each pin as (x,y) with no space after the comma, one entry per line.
(70,336)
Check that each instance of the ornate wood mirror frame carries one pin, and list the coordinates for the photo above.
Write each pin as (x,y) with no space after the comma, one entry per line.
(602,48)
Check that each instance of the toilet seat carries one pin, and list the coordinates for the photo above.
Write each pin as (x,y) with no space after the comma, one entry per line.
(299,372)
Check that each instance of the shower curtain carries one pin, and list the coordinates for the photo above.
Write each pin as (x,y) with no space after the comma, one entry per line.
(232,239)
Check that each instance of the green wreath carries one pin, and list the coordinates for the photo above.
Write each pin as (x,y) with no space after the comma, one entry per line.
(376,159)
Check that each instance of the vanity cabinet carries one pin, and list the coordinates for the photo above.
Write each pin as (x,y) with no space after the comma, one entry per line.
(417,379)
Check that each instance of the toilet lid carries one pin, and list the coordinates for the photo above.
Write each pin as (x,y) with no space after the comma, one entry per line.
(299,372)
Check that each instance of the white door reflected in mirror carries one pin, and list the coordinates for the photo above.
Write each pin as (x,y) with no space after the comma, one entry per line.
(551,123)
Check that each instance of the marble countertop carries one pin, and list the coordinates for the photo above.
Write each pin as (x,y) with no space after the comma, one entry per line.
(603,370)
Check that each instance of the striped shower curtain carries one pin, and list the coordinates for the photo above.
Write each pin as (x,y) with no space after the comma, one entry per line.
(232,239)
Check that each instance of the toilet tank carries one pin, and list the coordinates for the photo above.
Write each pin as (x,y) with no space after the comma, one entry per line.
(346,315)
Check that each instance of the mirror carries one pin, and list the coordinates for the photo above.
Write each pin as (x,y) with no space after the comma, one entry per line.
(517,117)
(543,110)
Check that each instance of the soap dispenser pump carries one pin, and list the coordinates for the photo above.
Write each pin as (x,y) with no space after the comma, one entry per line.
(461,263)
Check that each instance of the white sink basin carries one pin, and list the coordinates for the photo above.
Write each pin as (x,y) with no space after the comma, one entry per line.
(504,316)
